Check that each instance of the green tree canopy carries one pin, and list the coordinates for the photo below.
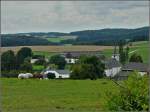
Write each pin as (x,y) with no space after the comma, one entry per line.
(84,71)
(8,60)
(88,67)
(22,54)
(133,94)
(26,66)
(58,60)
(136,58)
(123,53)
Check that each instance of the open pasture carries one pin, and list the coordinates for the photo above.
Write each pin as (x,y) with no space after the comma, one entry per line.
(33,95)
(60,38)
(141,48)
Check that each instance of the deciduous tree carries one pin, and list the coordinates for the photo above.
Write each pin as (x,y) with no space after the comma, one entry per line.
(8,60)
(58,60)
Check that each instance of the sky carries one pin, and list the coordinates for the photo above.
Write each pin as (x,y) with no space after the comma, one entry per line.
(68,16)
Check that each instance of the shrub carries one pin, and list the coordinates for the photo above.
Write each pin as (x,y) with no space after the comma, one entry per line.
(38,56)
(8,60)
(136,58)
(40,62)
(38,67)
(58,60)
(88,67)
(83,71)
(26,66)
(22,54)
(12,73)
(132,96)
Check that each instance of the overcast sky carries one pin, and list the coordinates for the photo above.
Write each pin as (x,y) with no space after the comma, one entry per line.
(67,16)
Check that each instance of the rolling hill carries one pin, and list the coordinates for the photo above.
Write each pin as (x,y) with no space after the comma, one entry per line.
(94,37)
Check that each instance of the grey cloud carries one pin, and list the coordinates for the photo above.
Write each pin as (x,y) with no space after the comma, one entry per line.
(68,16)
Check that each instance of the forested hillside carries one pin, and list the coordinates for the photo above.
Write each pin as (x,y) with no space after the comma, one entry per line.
(109,36)
(95,37)
(24,41)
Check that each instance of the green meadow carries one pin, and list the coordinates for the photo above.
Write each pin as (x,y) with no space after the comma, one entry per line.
(38,67)
(33,95)
(46,54)
(141,48)
(61,38)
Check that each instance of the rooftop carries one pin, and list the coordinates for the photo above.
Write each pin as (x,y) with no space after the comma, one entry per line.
(111,63)
(134,66)
(78,54)
(63,71)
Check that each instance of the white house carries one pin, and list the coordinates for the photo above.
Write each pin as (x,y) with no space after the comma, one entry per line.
(58,73)
(112,67)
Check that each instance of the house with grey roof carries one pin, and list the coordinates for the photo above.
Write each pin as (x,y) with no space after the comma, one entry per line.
(128,68)
(112,67)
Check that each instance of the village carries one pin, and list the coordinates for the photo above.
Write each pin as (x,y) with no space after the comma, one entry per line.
(113,68)
(75,56)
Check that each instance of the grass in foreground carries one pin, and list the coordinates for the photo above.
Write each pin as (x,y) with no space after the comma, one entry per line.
(55,95)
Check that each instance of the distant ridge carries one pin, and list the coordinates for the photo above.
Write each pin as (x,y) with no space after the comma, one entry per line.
(97,37)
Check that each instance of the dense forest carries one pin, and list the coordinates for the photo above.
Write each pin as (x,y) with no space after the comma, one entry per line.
(109,36)
(93,37)
(23,41)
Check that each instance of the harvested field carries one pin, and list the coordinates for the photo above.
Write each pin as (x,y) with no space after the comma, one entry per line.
(59,48)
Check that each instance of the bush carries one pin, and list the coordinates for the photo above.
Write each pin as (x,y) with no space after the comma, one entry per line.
(26,66)
(51,76)
(22,54)
(38,67)
(132,96)
(83,71)
(88,67)
(136,58)
(40,62)
(38,56)
(58,60)
(8,60)
(12,73)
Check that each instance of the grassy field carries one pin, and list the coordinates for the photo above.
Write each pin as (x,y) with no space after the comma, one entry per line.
(38,67)
(57,40)
(141,48)
(46,54)
(34,95)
